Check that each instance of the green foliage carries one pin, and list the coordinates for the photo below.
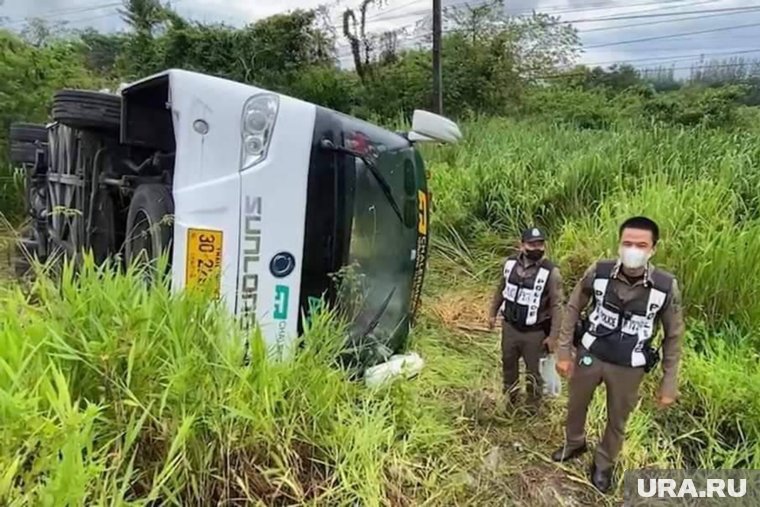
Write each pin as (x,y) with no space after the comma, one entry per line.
(101,51)
(30,75)
(710,107)
(271,53)
(118,393)
(601,107)
(144,16)
(326,86)
(583,109)
(615,78)
(715,424)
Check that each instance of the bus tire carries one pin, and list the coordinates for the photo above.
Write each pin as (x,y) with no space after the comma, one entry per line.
(149,223)
(87,110)
(23,153)
(28,133)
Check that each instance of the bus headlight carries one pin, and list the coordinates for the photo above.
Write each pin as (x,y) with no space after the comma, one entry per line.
(257,126)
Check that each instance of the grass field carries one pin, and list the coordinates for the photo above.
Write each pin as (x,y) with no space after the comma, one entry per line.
(115,394)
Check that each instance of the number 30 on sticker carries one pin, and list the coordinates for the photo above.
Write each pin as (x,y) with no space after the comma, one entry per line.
(204,258)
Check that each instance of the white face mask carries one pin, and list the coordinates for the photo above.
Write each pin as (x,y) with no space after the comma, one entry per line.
(634,258)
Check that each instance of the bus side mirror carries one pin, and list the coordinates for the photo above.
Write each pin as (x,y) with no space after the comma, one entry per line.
(428,127)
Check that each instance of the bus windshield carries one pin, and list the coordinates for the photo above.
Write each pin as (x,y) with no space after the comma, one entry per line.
(376,284)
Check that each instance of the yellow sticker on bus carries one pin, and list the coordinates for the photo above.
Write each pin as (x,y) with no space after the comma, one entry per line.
(204,259)
(422,222)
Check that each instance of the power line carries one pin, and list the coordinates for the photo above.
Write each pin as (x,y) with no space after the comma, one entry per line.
(673,5)
(670,36)
(673,58)
(649,23)
(737,10)
(68,12)
(720,12)
(599,7)
(79,10)
(394,9)
(543,10)
(690,67)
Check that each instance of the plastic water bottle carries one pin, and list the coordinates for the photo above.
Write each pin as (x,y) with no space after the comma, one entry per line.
(552,382)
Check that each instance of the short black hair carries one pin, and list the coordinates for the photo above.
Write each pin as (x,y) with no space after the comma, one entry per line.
(643,223)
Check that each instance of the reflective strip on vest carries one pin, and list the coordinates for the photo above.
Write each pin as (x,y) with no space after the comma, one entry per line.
(525,296)
(601,321)
(510,290)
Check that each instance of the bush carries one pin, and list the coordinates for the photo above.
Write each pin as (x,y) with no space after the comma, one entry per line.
(326,86)
(708,107)
(580,108)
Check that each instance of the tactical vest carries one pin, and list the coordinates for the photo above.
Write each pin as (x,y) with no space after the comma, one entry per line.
(622,334)
(523,297)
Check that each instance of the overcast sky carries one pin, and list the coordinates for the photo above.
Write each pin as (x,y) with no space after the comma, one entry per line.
(601,38)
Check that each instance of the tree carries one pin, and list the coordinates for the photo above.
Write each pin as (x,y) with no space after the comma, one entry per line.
(147,18)
(717,72)
(363,44)
(38,31)
(615,78)
(101,51)
(357,39)
(144,16)
(662,78)
(536,44)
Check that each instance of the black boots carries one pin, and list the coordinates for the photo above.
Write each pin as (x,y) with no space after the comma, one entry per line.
(565,454)
(601,479)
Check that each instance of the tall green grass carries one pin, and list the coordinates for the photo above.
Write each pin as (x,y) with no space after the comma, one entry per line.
(702,186)
(113,393)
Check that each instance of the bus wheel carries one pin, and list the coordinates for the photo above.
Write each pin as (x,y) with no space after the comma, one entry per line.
(149,224)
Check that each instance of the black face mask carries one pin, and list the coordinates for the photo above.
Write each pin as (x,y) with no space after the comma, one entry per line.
(534,255)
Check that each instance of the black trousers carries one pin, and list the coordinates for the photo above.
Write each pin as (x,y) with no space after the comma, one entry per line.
(529,346)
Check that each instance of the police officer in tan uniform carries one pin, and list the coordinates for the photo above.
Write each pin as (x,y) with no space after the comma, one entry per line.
(627,299)
(529,297)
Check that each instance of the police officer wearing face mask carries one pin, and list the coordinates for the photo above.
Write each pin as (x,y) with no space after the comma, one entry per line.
(529,297)
(626,299)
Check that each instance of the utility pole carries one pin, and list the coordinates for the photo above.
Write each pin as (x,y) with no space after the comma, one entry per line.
(437,77)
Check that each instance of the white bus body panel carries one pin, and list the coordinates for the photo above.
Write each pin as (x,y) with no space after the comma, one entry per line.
(211,192)
(278,188)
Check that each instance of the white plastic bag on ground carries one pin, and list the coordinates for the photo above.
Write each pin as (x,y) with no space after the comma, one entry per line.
(552,382)
(407,365)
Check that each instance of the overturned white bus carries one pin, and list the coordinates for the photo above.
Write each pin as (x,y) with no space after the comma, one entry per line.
(268,195)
